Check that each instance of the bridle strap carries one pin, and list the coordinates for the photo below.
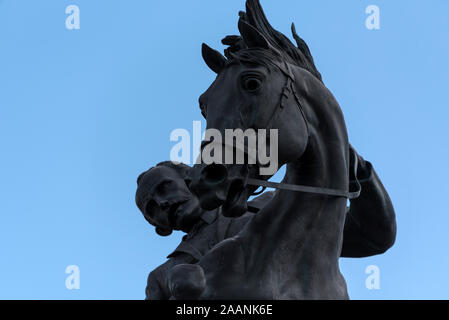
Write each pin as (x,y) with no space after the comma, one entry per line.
(288,91)
(284,95)
(308,189)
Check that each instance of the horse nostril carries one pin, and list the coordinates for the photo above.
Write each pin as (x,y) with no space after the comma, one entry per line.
(214,173)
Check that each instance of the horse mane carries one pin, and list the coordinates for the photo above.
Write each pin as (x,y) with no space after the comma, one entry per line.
(297,55)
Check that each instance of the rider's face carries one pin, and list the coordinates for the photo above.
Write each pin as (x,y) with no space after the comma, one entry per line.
(166,201)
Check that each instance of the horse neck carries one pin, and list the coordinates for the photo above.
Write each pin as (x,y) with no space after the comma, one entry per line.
(322,216)
(297,227)
(313,220)
(325,164)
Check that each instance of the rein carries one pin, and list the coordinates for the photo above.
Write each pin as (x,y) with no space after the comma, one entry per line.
(308,189)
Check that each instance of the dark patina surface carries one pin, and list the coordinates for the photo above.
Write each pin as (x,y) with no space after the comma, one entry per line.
(281,245)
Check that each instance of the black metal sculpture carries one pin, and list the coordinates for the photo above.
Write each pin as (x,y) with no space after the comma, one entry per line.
(290,248)
(163,198)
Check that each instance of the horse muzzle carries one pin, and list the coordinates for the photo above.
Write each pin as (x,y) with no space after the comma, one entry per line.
(218,185)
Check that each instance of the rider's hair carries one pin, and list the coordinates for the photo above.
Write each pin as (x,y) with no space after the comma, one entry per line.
(181,168)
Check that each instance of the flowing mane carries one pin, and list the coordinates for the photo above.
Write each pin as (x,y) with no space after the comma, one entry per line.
(296,55)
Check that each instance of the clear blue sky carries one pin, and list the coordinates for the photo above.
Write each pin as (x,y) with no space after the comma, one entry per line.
(83,112)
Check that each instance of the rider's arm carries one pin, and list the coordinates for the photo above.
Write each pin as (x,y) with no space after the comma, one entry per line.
(154,290)
(370,226)
(157,283)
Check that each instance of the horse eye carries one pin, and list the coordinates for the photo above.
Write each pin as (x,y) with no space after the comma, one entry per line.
(251,84)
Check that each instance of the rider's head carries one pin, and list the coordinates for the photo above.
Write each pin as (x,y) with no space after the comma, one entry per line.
(165,200)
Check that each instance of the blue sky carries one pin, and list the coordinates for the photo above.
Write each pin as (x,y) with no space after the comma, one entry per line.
(83,112)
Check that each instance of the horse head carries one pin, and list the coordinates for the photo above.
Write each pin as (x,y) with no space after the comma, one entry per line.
(254,89)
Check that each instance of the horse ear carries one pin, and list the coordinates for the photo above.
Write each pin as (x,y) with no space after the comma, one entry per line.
(252,37)
(214,59)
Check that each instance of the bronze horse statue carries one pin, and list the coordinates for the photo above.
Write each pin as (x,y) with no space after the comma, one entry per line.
(291,248)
